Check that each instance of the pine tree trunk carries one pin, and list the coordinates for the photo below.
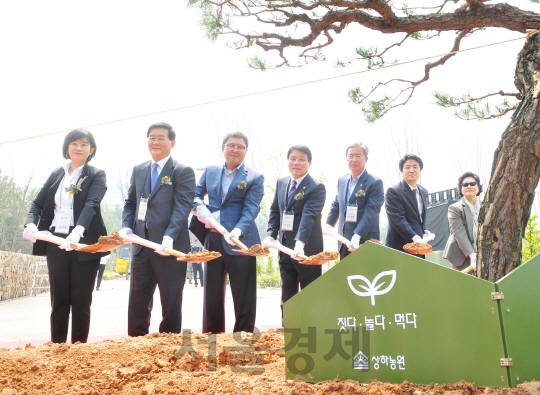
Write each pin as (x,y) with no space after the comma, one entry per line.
(514,175)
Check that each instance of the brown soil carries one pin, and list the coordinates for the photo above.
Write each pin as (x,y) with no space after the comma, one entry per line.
(203,253)
(151,365)
(324,256)
(113,239)
(417,247)
(375,241)
(259,250)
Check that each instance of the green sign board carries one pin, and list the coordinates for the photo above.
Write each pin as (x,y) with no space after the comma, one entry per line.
(386,315)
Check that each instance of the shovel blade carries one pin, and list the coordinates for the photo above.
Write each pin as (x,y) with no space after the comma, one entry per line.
(99,248)
(199,259)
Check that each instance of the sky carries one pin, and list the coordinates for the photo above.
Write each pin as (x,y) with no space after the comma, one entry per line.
(70,64)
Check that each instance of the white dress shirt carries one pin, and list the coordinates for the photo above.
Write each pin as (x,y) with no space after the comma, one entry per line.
(160,164)
(298,181)
(352,184)
(227,179)
(63,200)
(418,198)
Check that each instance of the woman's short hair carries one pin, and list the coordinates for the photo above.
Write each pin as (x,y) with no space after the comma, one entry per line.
(413,157)
(302,148)
(75,135)
(464,176)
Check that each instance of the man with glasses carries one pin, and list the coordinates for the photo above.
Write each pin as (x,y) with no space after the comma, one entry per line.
(234,194)
(406,207)
(358,202)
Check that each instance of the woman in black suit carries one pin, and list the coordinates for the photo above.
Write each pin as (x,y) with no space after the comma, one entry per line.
(68,205)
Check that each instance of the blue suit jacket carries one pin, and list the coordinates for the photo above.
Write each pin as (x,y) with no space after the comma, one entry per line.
(404,220)
(368,207)
(307,214)
(238,209)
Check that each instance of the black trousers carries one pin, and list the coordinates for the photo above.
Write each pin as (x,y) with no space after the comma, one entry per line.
(72,283)
(294,274)
(198,269)
(100,275)
(242,271)
(148,270)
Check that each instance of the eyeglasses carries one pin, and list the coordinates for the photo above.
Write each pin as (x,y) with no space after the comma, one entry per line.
(235,147)
(472,184)
(355,156)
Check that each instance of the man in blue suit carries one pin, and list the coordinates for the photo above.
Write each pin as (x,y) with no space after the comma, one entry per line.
(234,193)
(406,206)
(296,215)
(358,202)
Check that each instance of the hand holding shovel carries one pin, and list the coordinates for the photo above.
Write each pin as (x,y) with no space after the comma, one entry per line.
(305,260)
(48,236)
(328,230)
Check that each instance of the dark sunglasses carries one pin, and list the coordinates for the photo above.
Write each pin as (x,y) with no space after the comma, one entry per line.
(472,184)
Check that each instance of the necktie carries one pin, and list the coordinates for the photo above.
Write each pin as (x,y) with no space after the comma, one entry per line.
(291,192)
(154,177)
(417,195)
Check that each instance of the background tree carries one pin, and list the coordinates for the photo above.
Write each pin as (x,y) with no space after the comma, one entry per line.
(297,31)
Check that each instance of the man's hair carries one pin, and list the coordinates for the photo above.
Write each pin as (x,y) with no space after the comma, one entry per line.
(359,145)
(464,176)
(300,147)
(172,133)
(239,135)
(75,135)
(410,156)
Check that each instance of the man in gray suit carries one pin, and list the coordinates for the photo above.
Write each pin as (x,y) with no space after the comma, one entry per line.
(296,215)
(157,208)
(358,202)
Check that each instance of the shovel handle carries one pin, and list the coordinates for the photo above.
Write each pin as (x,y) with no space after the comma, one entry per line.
(468,270)
(282,248)
(216,225)
(150,244)
(55,239)
(338,237)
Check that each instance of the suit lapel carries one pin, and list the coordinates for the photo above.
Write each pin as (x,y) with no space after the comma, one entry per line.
(302,187)
(342,191)
(359,185)
(240,175)
(165,172)
(469,221)
(412,198)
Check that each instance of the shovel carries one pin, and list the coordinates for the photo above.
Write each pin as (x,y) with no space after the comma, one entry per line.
(243,248)
(179,255)
(468,269)
(338,237)
(288,251)
(48,236)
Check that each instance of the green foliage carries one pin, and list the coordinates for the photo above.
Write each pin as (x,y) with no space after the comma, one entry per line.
(257,63)
(375,109)
(112,216)
(108,275)
(14,206)
(268,275)
(531,242)
(473,109)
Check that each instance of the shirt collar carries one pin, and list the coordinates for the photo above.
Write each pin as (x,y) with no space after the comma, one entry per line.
(76,173)
(299,180)
(412,188)
(355,179)
(162,162)
(229,172)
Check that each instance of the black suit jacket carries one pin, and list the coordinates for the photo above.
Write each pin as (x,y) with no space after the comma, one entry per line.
(86,209)
(168,205)
(307,214)
(404,220)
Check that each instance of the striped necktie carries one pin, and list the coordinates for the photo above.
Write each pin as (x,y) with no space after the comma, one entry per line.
(291,192)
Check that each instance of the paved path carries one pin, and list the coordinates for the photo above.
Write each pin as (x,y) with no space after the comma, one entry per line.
(26,320)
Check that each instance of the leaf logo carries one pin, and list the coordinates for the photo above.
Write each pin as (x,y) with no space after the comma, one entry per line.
(372,288)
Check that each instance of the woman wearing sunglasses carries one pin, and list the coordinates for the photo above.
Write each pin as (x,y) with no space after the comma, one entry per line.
(463,218)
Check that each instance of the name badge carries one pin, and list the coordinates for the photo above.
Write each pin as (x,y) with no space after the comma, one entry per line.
(63,222)
(143,205)
(352,213)
(288,220)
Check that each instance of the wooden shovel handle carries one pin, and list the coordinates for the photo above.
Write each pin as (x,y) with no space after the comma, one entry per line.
(338,237)
(216,225)
(282,248)
(150,244)
(55,239)
(468,270)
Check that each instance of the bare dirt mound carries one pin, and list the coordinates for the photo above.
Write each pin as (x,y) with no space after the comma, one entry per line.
(154,364)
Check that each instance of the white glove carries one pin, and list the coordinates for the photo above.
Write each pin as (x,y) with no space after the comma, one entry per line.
(328,228)
(203,213)
(298,250)
(417,239)
(236,233)
(354,243)
(269,239)
(428,236)
(73,237)
(473,259)
(27,233)
(125,232)
(166,243)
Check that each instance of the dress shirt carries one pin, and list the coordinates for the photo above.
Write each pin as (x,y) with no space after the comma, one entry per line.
(160,164)
(226,180)
(475,210)
(352,185)
(418,198)
(62,198)
(298,181)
